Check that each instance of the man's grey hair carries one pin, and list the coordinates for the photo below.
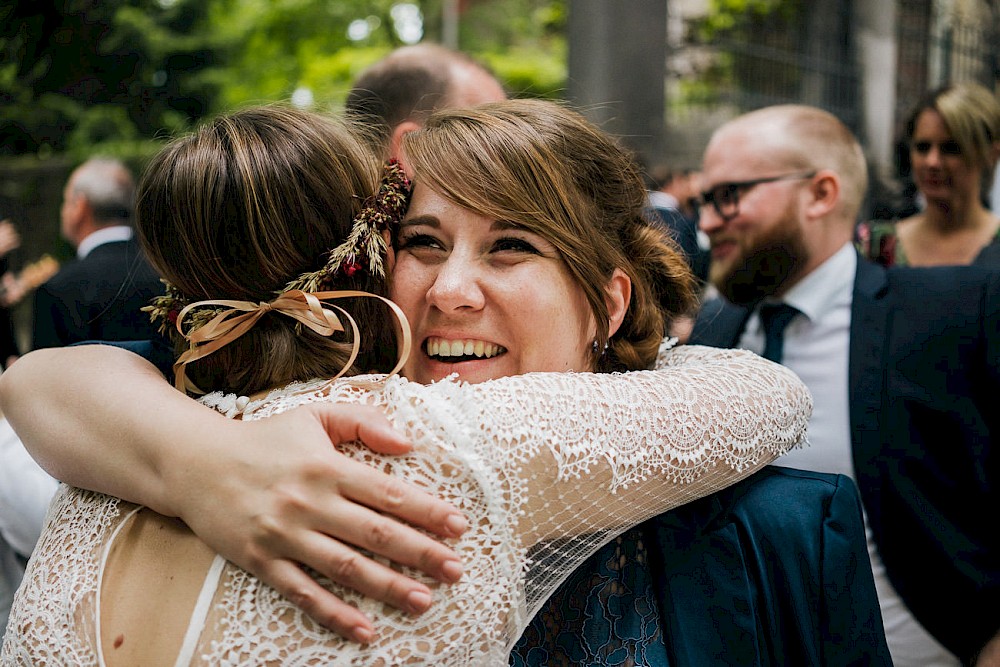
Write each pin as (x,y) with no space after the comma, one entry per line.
(108,185)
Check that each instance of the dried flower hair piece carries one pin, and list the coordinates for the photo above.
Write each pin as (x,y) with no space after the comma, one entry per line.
(364,248)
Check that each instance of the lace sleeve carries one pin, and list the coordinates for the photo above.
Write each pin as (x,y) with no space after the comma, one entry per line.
(587,455)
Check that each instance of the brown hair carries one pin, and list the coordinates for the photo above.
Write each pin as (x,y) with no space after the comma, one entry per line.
(544,167)
(247,202)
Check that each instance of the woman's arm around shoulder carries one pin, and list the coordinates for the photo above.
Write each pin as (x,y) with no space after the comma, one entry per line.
(611,449)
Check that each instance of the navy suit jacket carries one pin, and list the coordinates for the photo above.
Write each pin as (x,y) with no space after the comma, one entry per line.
(97,298)
(925,416)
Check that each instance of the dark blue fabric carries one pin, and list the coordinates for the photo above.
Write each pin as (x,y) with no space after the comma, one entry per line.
(98,297)
(770,571)
(924,377)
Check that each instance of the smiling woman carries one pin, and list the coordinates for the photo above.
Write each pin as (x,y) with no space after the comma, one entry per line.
(467,282)
(549,269)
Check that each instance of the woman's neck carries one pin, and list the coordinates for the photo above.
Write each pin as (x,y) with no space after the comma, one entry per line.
(963,212)
(948,232)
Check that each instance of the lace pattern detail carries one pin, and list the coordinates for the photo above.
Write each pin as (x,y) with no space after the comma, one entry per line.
(547,468)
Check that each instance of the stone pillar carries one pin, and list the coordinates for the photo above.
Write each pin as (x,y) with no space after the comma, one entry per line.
(875,37)
(617,68)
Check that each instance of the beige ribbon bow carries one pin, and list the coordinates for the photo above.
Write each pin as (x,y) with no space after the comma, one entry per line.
(303,307)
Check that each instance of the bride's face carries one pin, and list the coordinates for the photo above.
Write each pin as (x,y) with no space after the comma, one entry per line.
(485,298)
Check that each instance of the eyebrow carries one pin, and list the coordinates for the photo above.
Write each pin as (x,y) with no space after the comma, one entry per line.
(435,222)
(428,220)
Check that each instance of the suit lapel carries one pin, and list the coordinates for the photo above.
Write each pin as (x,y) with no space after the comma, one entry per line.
(870,327)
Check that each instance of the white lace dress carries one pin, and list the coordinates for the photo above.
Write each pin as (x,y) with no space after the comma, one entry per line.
(546,467)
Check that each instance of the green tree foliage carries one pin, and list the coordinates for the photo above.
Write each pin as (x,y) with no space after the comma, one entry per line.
(275,47)
(756,43)
(523,41)
(278,47)
(80,76)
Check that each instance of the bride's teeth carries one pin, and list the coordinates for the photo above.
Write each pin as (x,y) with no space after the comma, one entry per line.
(469,348)
(457,348)
(478,348)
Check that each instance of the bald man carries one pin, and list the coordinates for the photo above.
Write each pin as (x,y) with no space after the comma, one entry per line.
(397,94)
(903,364)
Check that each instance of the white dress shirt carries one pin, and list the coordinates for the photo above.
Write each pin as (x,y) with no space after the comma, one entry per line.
(101,236)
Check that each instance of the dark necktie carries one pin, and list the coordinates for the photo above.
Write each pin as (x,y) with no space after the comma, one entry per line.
(775,317)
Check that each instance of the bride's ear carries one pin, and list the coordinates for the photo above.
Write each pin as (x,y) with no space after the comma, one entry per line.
(390,253)
(618,296)
(396,143)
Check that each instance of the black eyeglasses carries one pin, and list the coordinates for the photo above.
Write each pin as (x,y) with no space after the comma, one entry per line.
(725,197)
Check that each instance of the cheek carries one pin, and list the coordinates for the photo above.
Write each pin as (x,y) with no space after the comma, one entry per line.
(561,327)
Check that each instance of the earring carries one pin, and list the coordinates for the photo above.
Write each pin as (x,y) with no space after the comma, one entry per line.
(596,347)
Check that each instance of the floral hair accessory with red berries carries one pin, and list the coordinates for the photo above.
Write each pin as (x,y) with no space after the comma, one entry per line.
(363,250)
(365,246)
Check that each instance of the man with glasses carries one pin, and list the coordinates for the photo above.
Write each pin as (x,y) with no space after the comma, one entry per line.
(904,366)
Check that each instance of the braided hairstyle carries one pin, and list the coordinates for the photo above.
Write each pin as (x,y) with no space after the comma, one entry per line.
(248,202)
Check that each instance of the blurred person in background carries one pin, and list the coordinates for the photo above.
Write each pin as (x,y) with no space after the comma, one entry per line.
(98,296)
(903,363)
(397,94)
(673,199)
(954,143)
(25,492)
(9,240)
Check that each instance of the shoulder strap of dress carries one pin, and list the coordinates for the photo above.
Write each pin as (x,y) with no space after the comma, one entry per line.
(201,609)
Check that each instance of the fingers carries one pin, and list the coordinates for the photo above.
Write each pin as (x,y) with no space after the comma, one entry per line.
(345,423)
(344,565)
(318,603)
(362,527)
(380,491)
